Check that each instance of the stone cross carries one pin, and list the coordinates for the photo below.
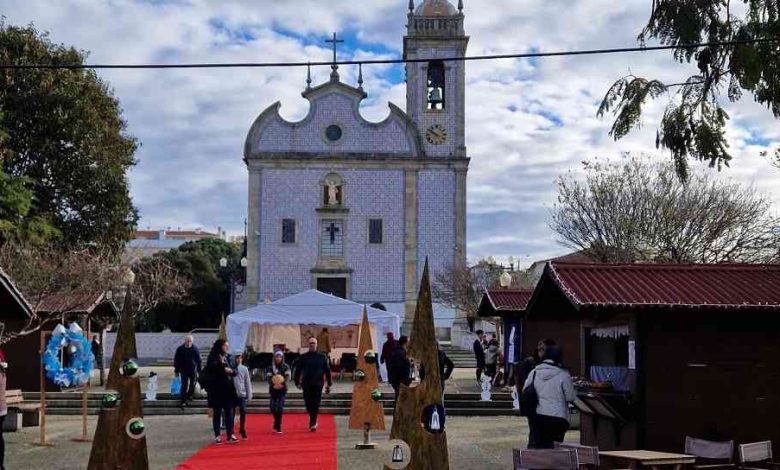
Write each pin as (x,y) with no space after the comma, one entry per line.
(335,41)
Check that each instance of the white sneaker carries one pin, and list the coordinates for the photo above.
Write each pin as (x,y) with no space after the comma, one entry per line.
(217,440)
(232,439)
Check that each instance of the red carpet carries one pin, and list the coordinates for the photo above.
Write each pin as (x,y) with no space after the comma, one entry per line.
(297,448)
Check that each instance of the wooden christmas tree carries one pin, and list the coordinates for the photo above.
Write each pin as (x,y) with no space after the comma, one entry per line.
(429,449)
(365,411)
(113,447)
(222,332)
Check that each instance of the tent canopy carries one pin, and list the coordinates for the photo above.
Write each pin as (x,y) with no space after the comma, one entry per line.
(310,307)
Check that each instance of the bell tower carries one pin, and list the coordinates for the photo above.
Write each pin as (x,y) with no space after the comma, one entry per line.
(435,87)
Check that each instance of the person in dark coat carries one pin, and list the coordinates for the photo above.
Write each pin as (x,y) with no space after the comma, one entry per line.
(97,350)
(524,369)
(387,349)
(186,364)
(446,366)
(399,367)
(222,395)
(311,372)
(479,354)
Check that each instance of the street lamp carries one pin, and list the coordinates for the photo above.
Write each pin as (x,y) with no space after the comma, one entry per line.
(511,263)
(223,262)
(505,280)
(244,262)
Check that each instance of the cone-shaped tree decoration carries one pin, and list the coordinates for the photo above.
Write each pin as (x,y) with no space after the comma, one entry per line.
(112,448)
(124,347)
(364,409)
(222,334)
(429,449)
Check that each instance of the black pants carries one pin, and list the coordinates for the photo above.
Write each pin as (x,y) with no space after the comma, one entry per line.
(2,444)
(277,409)
(480,367)
(187,386)
(312,396)
(545,431)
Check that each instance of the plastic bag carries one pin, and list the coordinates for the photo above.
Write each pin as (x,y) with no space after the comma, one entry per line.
(176,386)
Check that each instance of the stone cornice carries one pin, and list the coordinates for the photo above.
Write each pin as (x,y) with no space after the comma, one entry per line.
(356,161)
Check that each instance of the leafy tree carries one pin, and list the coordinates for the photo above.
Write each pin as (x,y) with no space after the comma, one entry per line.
(207,296)
(693,124)
(16,202)
(66,134)
(640,211)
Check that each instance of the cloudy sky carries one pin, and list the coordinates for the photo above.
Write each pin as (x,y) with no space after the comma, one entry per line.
(528,121)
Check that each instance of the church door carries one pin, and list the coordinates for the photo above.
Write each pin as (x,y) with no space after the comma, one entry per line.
(333,285)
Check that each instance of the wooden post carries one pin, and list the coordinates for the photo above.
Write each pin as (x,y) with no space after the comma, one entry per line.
(84,397)
(42,395)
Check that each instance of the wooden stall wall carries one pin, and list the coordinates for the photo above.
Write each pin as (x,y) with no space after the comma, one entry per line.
(712,375)
(566,333)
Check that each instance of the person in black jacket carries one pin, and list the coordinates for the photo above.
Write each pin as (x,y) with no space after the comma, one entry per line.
(446,366)
(399,368)
(479,354)
(311,371)
(221,391)
(186,364)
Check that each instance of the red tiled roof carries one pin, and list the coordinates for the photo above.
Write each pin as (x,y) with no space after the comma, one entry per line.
(502,299)
(496,301)
(72,303)
(647,285)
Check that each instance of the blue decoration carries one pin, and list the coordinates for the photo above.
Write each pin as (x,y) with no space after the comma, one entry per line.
(81,359)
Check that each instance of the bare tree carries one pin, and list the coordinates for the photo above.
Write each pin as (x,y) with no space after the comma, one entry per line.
(638,210)
(44,273)
(460,286)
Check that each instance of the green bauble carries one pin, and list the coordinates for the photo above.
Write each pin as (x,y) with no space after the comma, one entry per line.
(370,357)
(376,395)
(129,368)
(135,428)
(110,400)
(360,375)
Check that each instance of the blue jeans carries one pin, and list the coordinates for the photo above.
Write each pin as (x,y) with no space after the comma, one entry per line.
(216,420)
(277,408)
(242,405)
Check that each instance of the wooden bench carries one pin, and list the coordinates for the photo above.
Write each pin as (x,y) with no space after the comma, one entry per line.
(20,414)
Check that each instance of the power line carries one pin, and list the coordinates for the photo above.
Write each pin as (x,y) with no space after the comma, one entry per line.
(527,55)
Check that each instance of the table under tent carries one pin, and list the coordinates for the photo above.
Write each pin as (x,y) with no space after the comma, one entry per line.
(287,324)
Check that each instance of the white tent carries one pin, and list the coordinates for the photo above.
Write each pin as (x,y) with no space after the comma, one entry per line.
(280,321)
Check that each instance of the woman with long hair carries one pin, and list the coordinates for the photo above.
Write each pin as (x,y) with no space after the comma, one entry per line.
(222,397)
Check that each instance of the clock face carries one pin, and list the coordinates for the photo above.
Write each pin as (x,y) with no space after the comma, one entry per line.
(436,135)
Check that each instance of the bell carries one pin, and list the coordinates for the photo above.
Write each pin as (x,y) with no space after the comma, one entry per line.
(435,425)
(370,357)
(135,428)
(129,368)
(360,375)
(376,395)
(398,454)
(434,98)
(110,399)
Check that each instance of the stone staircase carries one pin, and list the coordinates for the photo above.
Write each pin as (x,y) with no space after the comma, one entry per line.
(462,358)
(460,404)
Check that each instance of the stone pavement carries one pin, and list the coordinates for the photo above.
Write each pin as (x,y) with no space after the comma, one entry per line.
(474,443)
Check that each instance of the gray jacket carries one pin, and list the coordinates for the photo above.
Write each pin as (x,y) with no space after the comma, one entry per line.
(554,389)
(242,382)
(491,354)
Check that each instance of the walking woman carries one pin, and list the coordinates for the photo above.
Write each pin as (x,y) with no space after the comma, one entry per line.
(555,391)
(3,408)
(222,396)
(278,378)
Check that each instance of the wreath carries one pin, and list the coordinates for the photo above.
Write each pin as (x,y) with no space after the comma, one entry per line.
(80,361)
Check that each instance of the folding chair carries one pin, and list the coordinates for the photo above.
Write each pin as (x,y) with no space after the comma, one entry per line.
(587,456)
(710,454)
(545,459)
(348,363)
(757,455)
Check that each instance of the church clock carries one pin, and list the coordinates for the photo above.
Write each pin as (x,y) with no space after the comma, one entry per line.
(436,135)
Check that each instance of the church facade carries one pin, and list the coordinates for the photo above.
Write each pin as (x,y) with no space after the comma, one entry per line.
(352,207)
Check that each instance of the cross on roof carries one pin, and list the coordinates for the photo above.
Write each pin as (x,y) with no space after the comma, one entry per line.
(335,41)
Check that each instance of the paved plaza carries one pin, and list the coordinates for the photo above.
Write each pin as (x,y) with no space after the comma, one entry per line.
(474,443)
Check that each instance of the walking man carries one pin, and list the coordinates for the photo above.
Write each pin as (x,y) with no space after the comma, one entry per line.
(479,354)
(399,368)
(186,364)
(312,372)
(97,350)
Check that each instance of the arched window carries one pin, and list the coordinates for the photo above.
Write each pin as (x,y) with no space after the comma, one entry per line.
(436,84)
(332,190)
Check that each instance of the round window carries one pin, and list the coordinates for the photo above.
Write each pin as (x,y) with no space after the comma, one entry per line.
(333,133)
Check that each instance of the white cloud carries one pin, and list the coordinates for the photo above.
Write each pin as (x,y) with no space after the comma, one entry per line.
(528,121)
